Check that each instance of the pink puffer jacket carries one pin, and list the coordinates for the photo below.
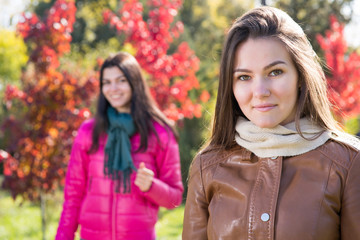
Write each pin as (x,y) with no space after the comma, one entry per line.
(90,200)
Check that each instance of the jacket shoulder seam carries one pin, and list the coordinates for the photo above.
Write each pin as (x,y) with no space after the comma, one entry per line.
(345,149)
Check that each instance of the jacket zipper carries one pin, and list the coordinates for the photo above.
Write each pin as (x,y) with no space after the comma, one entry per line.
(89,185)
(113,213)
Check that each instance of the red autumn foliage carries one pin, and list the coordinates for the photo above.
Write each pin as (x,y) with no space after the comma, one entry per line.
(51,36)
(43,116)
(172,76)
(344,78)
(40,138)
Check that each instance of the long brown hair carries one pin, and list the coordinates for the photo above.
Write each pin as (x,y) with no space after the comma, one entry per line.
(143,108)
(269,22)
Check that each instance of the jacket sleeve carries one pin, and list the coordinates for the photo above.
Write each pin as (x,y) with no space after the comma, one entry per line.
(75,186)
(196,208)
(167,188)
(350,210)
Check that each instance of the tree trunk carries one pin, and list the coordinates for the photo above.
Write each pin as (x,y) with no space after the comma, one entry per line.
(43,214)
(263,2)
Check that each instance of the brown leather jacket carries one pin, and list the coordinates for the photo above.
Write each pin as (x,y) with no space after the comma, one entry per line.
(236,195)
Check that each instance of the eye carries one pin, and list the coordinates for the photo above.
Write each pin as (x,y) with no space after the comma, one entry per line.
(121,80)
(276,72)
(243,77)
(105,82)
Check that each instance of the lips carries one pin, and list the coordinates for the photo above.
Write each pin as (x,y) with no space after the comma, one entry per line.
(264,107)
(117,96)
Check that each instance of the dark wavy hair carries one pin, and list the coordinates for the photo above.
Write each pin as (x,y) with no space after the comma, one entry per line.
(269,22)
(144,109)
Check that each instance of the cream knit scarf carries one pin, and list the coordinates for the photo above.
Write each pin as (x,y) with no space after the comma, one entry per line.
(280,140)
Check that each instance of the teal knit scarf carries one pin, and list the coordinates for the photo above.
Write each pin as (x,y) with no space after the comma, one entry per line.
(118,164)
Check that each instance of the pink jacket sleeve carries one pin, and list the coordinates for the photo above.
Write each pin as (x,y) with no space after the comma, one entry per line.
(167,189)
(75,186)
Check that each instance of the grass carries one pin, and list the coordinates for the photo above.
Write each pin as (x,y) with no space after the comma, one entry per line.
(170,224)
(24,221)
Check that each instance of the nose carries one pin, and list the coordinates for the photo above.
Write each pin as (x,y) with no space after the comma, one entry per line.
(261,88)
(115,86)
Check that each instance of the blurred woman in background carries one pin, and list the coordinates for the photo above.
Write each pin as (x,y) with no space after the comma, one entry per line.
(124,163)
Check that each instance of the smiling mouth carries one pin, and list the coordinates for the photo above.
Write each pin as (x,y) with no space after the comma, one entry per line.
(116,96)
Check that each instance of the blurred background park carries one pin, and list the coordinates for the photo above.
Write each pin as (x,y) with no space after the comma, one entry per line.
(50,53)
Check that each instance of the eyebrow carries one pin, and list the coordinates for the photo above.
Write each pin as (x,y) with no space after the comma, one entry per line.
(265,68)
(118,77)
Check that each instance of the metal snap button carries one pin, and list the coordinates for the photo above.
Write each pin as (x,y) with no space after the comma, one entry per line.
(273,158)
(265,217)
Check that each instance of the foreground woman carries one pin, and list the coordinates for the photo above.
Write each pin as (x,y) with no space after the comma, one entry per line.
(276,166)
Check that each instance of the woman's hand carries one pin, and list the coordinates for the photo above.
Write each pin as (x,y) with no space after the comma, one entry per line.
(144,177)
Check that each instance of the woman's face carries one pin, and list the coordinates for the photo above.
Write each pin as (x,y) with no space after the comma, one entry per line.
(116,89)
(265,82)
